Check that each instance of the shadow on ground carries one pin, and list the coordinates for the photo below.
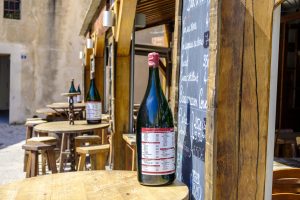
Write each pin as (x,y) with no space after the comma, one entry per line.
(10,134)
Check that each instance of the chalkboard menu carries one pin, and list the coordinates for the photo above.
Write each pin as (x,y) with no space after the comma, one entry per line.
(193,96)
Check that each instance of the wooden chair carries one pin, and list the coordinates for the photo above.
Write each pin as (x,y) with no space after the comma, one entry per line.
(286,183)
(32,162)
(98,155)
(285,143)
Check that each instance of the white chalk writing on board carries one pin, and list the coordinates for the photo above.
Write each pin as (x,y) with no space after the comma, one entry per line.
(193,95)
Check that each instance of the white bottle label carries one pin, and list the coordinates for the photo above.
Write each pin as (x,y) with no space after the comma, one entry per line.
(158,151)
(93,110)
(78,98)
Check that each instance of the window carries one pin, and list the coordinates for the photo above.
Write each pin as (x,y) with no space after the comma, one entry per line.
(12,9)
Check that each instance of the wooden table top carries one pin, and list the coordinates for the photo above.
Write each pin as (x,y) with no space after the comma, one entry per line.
(91,185)
(65,105)
(65,127)
(130,138)
(32,123)
(46,111)
(286,163)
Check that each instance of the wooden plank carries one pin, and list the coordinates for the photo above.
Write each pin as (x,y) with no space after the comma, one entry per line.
(290,17)
(99,47)
(278,2)
(175,61)
(238,96)
(122,77)
(211,141)
(263,17)
(125,26)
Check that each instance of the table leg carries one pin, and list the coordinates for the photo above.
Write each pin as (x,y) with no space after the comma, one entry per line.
(72,151)
(62,149)
(133,167)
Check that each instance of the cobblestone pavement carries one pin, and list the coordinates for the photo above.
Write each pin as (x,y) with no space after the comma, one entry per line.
(12,137)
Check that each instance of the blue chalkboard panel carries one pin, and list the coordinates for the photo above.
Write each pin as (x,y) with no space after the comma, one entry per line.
(193,95)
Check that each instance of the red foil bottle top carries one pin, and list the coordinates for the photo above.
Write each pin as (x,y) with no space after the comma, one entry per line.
(153,59)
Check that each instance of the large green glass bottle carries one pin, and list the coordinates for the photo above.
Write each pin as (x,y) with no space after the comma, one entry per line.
(155,133)
(93,103)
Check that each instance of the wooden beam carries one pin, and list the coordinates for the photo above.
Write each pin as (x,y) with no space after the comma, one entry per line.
(122,74)
(238,99)
(278,2)
(99,47)
(290,17)
(125,24)
(89,16)
(87,53)
(125,13)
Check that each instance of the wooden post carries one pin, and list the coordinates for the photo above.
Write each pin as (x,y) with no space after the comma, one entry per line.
(87,69)
(238,98)
(99,63)
(175,61)
(125,21)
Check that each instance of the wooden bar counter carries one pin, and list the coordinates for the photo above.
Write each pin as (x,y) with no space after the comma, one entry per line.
(90,185)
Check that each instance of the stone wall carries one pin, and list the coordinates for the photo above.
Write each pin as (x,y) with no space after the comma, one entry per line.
(44,53)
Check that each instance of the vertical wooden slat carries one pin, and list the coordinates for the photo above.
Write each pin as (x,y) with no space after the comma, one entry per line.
(263,12)
(175,61)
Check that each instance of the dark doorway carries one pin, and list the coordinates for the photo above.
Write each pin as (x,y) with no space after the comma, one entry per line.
(4,88)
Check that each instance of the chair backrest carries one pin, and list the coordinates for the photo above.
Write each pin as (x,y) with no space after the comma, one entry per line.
(286,181)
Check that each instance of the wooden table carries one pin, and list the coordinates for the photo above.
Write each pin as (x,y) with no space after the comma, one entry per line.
(63,108)
(286,163)
(108,185)
(130,140)
(64,128)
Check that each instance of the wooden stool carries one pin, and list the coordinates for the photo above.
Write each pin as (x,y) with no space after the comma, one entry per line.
(32,162)
(85,140)
(29,127)
(39,140)
(98,155)
(30,123)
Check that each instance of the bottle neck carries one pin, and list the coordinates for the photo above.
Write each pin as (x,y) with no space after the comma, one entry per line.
(153,80)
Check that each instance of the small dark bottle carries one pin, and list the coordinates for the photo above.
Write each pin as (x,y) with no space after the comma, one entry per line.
(93,103)
(155,133)
(72,87)
(79,95)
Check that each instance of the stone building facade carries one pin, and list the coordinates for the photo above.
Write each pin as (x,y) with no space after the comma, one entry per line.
(43,51)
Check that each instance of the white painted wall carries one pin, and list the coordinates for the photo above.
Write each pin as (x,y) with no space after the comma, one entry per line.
(272,103)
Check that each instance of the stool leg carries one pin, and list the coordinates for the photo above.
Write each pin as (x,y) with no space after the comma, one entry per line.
(81,162)
(44,162)
(28,165)
(51,161)
(28,132)
(34,164)
(26,155)
(101,160)
(93,160)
